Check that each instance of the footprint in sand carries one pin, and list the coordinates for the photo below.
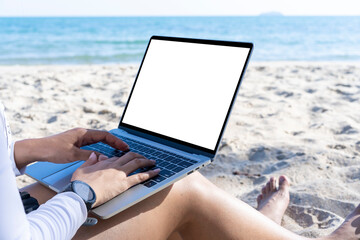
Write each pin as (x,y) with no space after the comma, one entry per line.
(296,133)
(309,216)
(88,110)
(104,111)
(259,154)
(225,147)
(337,207)
(317,109)
(94,123)
(346,130)
(337,146)
(52,119)
(309,90)
(269,88)
(343,85)
(110,115)
(285,94)
(273,168)
(353,174)
(87,85)
(357,146)
(345,95)
(260,68)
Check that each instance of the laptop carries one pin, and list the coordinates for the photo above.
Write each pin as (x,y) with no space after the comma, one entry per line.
(176,114)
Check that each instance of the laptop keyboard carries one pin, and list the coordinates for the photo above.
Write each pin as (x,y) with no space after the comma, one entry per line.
(168,163)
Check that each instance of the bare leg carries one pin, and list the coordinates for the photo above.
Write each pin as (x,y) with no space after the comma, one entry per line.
(218,215)
(154,218)
(192,208)
(274,198)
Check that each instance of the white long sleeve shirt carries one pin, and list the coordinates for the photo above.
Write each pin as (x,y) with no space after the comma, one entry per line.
(58,218)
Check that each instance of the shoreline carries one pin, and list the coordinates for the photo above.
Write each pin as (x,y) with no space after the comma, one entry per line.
(252,62)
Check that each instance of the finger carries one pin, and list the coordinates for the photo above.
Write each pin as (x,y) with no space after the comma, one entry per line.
(111,160)
(102,157)
(81,154)
(141,177)
(108,161)
(94,136)
(128,157)
(135,164)
(91,161)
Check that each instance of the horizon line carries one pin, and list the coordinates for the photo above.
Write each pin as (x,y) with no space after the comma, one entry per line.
(113,16)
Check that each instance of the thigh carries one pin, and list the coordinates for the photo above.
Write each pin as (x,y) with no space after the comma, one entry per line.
(157,217)
(40,192)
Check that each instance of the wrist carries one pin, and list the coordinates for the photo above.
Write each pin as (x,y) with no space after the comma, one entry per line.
(28,151)
(84,191)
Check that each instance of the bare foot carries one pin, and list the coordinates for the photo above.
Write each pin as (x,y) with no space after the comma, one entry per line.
(273,200)
(350,229)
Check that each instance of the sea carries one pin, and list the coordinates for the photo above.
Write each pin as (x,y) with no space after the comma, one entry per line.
(108,40)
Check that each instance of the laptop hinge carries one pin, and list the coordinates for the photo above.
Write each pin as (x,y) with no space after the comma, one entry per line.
(169,143)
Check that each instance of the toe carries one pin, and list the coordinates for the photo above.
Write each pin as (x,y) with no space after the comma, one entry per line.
(284,182)
(268,187)
(263,190)
(259,198)
(273,184)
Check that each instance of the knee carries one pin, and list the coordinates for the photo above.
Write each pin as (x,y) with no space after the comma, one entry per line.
(196,178)
(194,186)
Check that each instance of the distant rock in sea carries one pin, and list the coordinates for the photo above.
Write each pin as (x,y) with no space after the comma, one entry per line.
(271,14)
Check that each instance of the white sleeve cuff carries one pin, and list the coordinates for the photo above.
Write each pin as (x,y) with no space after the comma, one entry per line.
(59,218)
(12,157)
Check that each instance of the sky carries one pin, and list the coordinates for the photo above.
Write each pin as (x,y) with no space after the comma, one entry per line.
(177,7)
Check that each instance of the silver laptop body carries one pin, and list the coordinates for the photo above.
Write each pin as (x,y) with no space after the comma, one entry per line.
(176,114)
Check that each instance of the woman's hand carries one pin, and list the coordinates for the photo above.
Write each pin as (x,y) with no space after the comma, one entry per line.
(109,177)
(63,147)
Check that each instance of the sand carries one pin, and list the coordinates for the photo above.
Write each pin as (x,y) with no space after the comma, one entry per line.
(300,119)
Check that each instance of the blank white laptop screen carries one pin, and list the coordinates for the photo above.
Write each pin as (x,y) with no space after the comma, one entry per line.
(184,90)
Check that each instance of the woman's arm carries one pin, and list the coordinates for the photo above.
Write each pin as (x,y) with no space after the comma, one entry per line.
(59,218)
(63,147)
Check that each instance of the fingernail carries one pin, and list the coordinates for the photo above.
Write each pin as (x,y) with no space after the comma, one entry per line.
(126,147)
(157,170)
(92,155)
(153,161)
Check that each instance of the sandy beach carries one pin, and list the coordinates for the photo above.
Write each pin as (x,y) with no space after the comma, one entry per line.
(300,119)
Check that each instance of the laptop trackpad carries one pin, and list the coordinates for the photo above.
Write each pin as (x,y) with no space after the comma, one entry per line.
(59,180)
